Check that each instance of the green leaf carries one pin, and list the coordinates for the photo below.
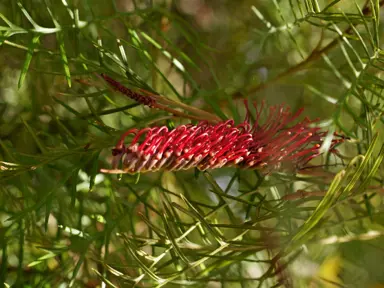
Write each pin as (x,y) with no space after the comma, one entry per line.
(63,57)
(77,269)
(42,258)
(28,59)
(322,208)
(372,171)
(48,209)
(172,238)
(132,249)
(94,170)
(367,158)
(196,214)
(34,136)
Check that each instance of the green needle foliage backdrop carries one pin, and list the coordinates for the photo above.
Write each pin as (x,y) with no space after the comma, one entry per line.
(65,224)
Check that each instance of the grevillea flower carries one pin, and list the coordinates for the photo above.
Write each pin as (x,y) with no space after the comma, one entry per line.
(269,145)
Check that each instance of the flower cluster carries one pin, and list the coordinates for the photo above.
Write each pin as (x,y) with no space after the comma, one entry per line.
(207,146)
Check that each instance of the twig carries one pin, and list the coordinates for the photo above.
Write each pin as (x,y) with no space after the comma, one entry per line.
(301,194)
(197,111)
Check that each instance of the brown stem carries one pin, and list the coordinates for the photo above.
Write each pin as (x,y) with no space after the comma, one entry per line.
(315,55)
(180,114)
(203,114)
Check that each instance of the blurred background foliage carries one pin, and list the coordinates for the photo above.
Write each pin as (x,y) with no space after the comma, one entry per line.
(64,224)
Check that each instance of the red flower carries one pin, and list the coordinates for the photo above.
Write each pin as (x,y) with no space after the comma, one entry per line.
(207,146)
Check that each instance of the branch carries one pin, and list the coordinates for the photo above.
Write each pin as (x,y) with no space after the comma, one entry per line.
(315,55)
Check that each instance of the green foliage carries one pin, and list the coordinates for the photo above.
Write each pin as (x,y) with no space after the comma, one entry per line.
(63,223)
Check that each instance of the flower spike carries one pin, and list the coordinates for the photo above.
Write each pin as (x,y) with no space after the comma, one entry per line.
(143,99)
(274,144)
